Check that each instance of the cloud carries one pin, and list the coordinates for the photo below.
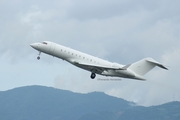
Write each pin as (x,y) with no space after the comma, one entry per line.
(26,28)
(85,10)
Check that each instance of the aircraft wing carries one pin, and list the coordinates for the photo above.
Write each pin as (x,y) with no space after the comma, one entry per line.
(98,68)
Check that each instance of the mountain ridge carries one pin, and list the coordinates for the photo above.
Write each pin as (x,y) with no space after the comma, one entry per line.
(47,103)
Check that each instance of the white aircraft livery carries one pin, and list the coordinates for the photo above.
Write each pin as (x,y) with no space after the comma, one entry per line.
(96,65)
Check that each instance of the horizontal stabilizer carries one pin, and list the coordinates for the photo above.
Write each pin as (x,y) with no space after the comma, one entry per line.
(156,63)
(145,65)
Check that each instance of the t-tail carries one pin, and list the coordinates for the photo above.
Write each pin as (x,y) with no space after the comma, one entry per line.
(143,66)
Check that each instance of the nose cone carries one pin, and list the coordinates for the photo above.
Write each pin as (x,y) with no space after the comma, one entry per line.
(34,45)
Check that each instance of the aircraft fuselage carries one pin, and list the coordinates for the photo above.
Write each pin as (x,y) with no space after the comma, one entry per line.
(85,61)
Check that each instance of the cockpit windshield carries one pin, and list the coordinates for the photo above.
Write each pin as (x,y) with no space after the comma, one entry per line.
(44,43)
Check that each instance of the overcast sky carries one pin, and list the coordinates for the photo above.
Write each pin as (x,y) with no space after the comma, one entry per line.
(122,31)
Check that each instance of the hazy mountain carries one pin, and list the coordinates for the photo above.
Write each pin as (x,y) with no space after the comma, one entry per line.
(168,111)
(45,103)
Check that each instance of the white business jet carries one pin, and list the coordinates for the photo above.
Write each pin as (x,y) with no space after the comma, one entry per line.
(96,65)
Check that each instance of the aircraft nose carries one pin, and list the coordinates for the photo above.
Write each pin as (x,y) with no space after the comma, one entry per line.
(34,45)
